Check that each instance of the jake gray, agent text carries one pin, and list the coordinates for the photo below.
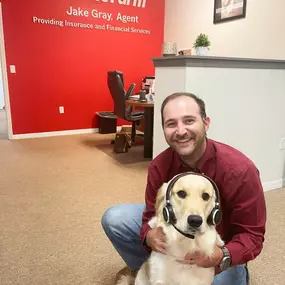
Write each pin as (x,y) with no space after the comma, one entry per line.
(101,15)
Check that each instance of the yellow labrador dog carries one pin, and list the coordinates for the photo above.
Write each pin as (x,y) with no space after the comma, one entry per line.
(187,209)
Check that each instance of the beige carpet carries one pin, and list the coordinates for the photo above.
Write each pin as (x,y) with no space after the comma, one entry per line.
(53,193)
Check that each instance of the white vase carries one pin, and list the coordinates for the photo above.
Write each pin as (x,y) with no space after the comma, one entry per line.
(202,51)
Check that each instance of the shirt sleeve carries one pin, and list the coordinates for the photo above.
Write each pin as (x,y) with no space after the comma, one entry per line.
(247,218)
(154,181)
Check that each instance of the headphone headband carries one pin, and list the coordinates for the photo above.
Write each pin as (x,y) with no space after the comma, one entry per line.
(178,176)
(213,219)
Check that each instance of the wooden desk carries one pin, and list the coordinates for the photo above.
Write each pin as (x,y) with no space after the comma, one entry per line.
(148,126)
(136,103)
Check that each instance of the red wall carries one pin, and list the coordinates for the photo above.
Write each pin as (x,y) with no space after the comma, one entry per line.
(67,66)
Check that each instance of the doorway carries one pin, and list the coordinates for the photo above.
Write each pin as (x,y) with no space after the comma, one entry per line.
(3,121)
(5,113)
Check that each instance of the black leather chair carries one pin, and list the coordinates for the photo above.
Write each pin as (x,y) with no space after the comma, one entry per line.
(120,95)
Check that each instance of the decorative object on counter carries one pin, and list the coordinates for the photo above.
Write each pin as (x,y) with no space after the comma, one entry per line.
(142,97)
(228,10)
(169,49)
(185,51)
(202,44)
(147,82)
(150,97)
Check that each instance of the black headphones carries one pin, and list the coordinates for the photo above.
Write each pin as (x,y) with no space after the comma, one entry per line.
(215,216)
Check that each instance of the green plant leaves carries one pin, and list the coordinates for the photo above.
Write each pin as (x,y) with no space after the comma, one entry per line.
(202,41)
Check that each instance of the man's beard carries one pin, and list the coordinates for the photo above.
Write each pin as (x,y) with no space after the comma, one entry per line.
(195,148)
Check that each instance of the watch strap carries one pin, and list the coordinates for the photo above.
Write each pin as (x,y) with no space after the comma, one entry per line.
(226,252)
(226,260)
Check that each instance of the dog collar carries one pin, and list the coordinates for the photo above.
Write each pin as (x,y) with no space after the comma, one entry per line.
(186,235)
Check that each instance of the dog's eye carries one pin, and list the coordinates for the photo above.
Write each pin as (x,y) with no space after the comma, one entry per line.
(182,194)
(205,196)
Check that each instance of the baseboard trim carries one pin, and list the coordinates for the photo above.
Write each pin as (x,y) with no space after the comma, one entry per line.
(57,133)
(273,185)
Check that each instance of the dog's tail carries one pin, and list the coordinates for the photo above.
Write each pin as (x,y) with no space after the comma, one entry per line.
(140,277)
(126,276)
(126,280)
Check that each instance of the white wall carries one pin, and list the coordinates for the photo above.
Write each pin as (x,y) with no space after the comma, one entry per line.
(167,81)
(1,90)
(260,35)
(246,107)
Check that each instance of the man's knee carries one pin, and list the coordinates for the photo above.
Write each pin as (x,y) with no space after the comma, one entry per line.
(123,220)
(110,218)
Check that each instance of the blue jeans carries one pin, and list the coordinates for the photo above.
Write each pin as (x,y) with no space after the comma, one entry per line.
(122,225)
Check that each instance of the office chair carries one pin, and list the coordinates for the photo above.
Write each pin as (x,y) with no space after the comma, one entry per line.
(119,95)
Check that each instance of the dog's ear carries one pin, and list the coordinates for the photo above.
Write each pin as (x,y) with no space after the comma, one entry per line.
(160,199)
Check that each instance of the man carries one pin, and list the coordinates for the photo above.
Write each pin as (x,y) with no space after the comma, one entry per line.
(185,125)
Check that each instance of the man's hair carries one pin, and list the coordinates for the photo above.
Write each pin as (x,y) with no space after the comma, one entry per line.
(199,101)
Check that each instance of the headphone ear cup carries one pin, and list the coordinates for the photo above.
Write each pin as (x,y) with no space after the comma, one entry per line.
(168,214)
(215,217)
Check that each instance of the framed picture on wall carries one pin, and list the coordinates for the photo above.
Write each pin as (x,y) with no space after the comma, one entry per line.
(228,10)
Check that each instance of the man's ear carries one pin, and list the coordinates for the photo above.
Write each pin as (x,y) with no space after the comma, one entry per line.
(207,122)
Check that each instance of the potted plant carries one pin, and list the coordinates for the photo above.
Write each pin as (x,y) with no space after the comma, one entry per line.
(202,44)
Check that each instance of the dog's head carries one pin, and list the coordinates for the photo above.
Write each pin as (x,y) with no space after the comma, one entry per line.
(192,198)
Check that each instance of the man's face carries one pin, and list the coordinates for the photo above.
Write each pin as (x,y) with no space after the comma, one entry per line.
(184,129)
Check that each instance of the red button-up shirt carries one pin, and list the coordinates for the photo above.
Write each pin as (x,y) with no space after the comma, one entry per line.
(241,196)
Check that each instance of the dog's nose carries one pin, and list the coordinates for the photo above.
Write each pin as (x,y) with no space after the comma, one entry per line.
(195,221)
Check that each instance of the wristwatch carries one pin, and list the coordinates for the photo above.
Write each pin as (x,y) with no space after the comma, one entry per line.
(226,260)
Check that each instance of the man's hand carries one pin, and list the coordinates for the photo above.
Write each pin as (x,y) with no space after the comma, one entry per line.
(155,239)
(202,260)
